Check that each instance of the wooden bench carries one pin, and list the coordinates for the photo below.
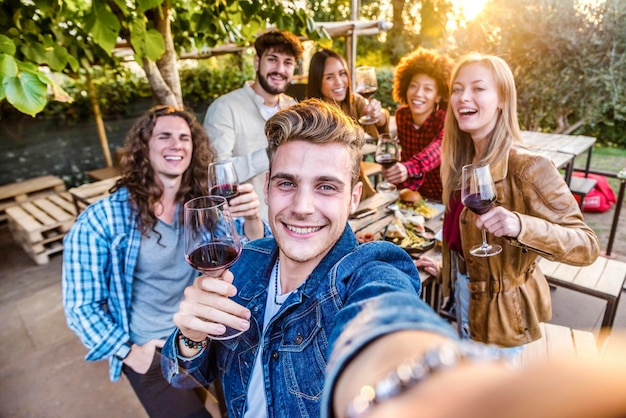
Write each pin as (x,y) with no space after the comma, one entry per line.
(603,279)
(86,194)
(39,225)
(23,191)
(581,186)
(559,342)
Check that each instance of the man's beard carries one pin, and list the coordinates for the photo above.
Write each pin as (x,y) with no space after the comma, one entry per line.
(267,87)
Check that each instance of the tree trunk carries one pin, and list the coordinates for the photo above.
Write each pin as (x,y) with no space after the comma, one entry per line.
(161,91)
(167,63)
(97,115)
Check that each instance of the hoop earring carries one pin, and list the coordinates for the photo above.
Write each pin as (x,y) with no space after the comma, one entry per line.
(436,106)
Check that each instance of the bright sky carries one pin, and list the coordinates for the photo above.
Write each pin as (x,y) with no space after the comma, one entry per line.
(470,8)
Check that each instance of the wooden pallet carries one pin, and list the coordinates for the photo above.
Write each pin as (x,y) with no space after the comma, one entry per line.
(89,193)
(24,191)
(39,225)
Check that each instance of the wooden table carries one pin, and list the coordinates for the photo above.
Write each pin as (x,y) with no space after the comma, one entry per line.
(562,149)
(378,221)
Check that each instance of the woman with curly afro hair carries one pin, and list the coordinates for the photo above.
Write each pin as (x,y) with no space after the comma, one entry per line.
(421,86)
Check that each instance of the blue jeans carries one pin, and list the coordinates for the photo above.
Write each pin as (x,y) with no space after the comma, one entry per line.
(462,299)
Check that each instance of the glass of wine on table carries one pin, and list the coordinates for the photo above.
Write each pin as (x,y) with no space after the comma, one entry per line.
(366,86)
(211,241)
(223,179)
(387,154)
(478,193)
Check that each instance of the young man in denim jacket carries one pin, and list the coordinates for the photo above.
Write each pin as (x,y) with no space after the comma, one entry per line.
(294,293)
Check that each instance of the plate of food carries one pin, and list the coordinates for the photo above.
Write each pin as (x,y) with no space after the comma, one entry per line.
(410,234)
(411,202)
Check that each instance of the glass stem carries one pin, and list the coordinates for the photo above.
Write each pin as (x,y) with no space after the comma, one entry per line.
(485,243)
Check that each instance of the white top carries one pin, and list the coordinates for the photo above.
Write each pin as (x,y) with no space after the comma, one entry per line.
(235,123)
(256,401)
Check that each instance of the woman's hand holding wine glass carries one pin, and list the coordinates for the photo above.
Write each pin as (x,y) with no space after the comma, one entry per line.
(478,193)
(211,247)
(366,86)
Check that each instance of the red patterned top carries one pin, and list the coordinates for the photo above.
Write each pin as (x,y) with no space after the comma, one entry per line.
(421,151)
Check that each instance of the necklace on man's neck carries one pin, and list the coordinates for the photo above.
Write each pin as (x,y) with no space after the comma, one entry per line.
(276,270)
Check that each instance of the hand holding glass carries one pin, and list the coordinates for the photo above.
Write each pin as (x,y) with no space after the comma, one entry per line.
(387,154)
(211,241)
(366,86)
(478,193)
(223,179)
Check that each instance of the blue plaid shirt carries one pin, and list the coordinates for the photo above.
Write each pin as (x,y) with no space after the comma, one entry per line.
(99,258)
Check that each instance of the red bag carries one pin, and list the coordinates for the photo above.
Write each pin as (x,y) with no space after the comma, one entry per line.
(600,198)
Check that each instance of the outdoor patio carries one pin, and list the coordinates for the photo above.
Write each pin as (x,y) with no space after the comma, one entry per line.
(43,369)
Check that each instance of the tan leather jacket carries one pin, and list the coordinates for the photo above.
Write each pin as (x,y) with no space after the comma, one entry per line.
(509,293)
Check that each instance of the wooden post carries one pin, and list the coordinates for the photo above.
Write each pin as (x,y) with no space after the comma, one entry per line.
(97,115)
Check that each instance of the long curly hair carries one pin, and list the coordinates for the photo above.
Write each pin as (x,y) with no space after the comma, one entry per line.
(137,172)
(422,61)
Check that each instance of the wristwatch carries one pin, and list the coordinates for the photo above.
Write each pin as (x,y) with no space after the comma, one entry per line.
(124,351)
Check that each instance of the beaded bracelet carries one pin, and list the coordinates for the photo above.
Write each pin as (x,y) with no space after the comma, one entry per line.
(197,345)
(411,372)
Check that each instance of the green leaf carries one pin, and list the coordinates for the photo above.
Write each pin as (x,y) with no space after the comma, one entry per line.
(26,93)
(7,46)
(154,45)
(35,52)
(8,66)
(56,57)
(102,24)
(143,5)
(73,62)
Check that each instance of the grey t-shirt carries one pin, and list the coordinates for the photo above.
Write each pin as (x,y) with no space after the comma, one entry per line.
(160,277)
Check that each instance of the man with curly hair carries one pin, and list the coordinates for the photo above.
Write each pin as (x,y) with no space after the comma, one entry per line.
(421,86)
(236,120)
(123,262)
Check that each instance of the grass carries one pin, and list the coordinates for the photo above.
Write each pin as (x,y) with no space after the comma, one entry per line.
(606,159)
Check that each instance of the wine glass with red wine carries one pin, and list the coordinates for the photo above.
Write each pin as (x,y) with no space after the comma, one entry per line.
(387,154)
(478,193)
(366,86)
(223,179)
(211,241)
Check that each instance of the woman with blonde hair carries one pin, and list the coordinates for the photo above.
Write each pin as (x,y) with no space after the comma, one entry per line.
(502,299)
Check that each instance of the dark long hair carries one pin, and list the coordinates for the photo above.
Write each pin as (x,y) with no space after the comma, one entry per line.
(316,75)
(138,174)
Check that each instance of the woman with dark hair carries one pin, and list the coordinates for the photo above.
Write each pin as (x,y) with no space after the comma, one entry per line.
(421,86)
(123,264)
(329,80)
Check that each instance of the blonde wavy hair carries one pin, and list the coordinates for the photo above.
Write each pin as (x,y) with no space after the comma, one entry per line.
(457,146)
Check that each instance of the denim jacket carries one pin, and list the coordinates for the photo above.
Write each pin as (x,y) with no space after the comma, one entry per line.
(301,335)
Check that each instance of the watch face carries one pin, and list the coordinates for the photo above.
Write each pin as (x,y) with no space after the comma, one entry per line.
(123,352)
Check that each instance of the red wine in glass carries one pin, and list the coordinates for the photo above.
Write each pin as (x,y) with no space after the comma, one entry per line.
(213,256)
(228,191)
(477,205)
(223,179)
(211,241)
(367,92)
(366,85)
(386,162)
(478,193)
